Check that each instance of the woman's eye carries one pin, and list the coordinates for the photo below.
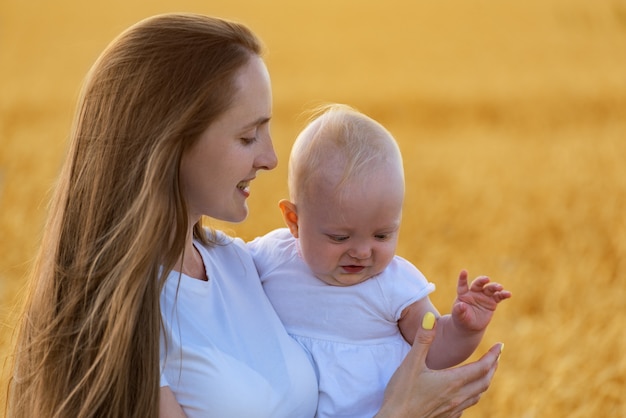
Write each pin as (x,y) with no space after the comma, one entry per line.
(248,141)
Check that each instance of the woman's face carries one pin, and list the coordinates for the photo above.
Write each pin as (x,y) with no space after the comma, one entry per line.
(217,170)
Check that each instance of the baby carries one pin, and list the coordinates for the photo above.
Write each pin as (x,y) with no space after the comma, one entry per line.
(334,278)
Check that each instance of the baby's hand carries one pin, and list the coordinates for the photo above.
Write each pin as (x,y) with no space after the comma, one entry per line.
(475,303)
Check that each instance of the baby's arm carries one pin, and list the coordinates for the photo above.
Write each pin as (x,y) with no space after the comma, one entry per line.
(458,333)
(450,347)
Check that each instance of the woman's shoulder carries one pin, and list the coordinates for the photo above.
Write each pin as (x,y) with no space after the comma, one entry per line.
(219,242)
(227,255)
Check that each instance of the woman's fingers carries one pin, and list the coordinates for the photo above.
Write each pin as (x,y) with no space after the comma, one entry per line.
(476,378)
(477,375)
(415,390)
(424,337)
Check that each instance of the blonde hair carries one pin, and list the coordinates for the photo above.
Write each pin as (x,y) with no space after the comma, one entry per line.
(88,344)
(338,134)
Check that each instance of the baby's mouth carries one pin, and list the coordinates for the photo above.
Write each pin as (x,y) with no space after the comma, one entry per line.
(353,269)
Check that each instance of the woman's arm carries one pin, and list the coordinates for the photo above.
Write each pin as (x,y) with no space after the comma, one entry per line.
(416,391)
(168,405)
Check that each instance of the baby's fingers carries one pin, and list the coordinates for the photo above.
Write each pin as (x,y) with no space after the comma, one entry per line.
(491,289)
(479,283)
(462,287)
(502,295)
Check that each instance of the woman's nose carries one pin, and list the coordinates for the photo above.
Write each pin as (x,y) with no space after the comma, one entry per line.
(267,160)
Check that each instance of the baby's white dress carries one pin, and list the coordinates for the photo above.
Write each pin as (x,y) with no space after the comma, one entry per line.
(351,333)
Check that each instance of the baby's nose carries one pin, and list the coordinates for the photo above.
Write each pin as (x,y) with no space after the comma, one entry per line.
(361,252)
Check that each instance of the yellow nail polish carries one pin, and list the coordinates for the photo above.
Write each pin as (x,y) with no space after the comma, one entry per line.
(428,322)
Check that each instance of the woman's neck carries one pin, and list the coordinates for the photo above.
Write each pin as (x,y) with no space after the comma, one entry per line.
(192,263)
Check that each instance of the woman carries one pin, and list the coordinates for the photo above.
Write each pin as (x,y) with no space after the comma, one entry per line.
(172,125)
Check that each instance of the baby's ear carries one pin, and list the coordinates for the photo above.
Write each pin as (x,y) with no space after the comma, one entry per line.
(290,215)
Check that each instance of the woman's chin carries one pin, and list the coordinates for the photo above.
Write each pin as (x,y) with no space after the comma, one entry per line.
(236,217)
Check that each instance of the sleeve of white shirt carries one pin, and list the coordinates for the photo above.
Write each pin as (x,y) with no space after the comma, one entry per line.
(269,251)
(403,285)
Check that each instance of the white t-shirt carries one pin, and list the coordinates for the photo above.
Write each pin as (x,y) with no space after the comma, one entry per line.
(224,352)
(351,332)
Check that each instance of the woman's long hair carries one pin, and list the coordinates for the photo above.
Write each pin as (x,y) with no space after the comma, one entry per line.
(88,342)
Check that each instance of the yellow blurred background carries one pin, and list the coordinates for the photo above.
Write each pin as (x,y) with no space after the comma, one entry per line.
(512,120)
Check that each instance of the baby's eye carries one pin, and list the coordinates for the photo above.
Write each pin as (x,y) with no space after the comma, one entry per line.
(382,237)
(338,238)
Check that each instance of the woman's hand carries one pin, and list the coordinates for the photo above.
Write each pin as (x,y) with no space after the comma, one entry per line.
(416,391)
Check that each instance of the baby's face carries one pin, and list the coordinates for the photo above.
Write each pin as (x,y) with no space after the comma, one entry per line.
(346,240)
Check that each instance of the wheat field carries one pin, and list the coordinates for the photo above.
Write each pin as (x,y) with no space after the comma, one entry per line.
(512,121)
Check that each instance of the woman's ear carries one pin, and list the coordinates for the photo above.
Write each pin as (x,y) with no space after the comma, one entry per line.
(290,215)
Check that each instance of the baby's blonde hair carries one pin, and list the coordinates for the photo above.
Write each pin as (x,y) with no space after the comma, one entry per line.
(338,134)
